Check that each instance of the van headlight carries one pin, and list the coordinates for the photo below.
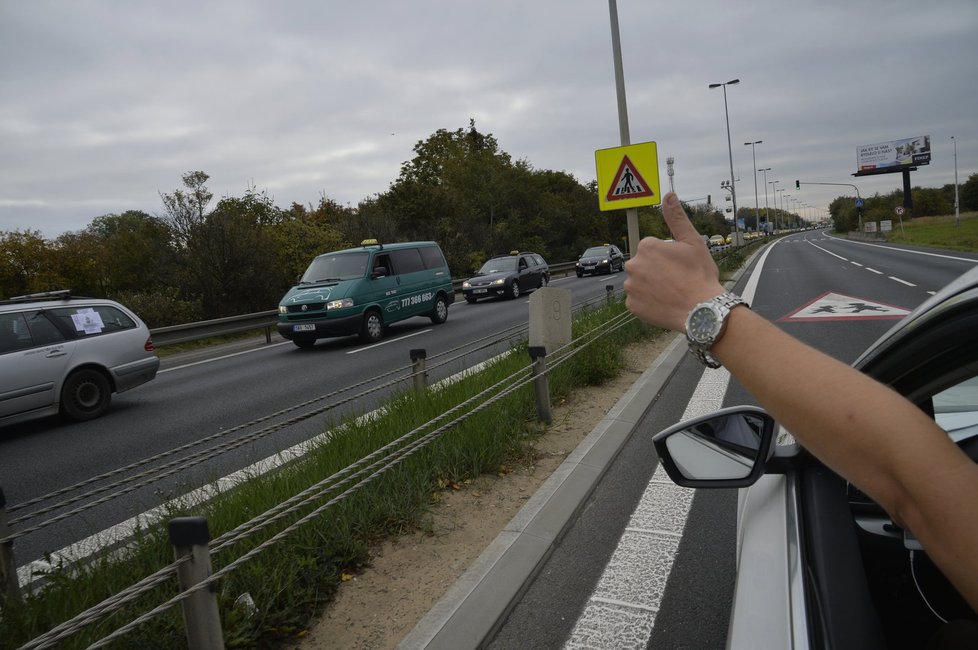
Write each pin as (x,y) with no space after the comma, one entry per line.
(282,309)
(339,304)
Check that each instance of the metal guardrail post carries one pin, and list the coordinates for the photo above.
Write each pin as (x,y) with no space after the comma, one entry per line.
(418,357)
(610,289)
(541,382)
(189,536)
(8,568)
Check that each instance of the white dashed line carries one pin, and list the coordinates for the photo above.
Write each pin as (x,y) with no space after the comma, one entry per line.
(874,271)
(909,284)
(856,263)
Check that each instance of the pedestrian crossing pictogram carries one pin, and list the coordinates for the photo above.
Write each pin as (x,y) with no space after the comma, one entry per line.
(835,306)
(628,183)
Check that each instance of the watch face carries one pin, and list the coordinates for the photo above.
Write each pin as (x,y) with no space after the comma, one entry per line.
(703,324)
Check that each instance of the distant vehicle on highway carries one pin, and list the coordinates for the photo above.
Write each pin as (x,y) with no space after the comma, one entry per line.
(66,354)
(717,240)
(600,259)
(820,564)
(363,290)
(507,275)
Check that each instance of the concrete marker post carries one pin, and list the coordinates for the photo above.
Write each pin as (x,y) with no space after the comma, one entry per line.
(8,567)
(610,290)
(190,536)
(418,357)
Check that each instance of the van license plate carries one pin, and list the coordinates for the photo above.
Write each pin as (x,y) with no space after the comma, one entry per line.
(308,327)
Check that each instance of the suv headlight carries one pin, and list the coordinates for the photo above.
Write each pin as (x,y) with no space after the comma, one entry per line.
(339,304)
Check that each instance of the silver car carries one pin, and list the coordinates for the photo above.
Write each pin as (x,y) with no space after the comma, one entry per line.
(819,564)
(60,353)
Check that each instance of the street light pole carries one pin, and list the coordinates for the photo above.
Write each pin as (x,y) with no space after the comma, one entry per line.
(767,214)
(774,189)
(784,211)
(757,207)
(957,206)
(631,214)
(733,191)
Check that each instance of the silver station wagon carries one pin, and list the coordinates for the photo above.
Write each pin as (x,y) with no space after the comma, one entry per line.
(60,353)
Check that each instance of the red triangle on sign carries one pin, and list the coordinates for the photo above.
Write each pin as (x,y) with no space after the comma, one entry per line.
(628,183)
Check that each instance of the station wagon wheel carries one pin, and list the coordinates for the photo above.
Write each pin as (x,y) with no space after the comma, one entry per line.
(440,313)
(373,327)
(85,395)
(514,289)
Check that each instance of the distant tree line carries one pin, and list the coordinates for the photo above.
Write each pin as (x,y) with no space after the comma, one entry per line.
(927,202)
(199,259)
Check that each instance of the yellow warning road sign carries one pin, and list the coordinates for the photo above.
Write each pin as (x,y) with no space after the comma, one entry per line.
(628,177)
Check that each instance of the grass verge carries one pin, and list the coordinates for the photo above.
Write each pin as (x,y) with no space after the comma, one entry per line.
(292,580)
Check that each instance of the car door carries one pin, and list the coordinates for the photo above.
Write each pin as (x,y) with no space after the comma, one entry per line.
(34,357)
(414,283)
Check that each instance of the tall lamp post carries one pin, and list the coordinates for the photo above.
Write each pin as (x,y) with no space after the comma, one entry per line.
(784,210)
(767,214)
(774,190)
(757,207)
(957,206)
(733,192)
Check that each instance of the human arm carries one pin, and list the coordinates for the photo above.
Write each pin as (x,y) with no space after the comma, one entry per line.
(860,428)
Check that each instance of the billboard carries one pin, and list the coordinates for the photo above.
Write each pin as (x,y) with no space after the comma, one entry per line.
(895,155)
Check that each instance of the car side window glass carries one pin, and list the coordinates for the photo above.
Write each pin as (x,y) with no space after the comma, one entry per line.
(956,409)
(539,260)
(432,257)
(14,334)
(382,265)
(86,321)
(407,260)
(42,330)
(523,264)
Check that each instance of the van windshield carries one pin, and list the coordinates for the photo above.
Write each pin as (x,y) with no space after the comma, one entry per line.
(335,267)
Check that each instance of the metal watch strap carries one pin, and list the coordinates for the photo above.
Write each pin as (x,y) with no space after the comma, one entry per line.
(725,302)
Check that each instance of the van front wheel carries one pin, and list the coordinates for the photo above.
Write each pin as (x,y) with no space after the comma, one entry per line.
(373,327)
(440,313)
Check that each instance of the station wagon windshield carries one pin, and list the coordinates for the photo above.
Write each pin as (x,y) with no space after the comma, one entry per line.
(498,265)
(341,266)
(594,252)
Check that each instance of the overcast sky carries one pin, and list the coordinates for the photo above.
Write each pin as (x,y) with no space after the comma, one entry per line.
(104,104)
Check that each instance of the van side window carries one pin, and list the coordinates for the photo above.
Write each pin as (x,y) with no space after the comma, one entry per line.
(407,260)
(433,259)
(382,265)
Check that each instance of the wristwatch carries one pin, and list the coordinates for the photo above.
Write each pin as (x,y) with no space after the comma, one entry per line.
(706,323)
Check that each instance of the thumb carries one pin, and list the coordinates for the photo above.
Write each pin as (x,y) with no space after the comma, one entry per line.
(679,224)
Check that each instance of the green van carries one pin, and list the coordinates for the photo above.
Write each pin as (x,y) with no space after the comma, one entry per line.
(362,290)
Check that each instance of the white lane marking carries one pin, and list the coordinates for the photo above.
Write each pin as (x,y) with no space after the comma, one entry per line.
(226,356)
(874,271)
(856,263)
(905,250)
(933,293)
(395,340)
(621,611)
(827,251)
(909,284)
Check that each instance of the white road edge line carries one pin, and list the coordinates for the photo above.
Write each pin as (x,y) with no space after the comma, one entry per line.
(638,615)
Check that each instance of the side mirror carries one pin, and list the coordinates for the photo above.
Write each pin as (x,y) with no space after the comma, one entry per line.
(727,448)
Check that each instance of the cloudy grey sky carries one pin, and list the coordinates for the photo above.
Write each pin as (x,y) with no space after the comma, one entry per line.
(105,103)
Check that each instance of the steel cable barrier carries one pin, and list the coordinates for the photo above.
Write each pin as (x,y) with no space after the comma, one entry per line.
(337,487)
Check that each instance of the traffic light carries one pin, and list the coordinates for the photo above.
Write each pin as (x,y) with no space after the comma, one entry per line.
(797,185)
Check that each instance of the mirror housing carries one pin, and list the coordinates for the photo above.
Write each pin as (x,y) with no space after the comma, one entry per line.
(725,449)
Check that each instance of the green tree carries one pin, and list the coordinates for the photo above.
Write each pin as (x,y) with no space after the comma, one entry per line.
(137,252)
(184,211)
(968,194)
(25,263)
